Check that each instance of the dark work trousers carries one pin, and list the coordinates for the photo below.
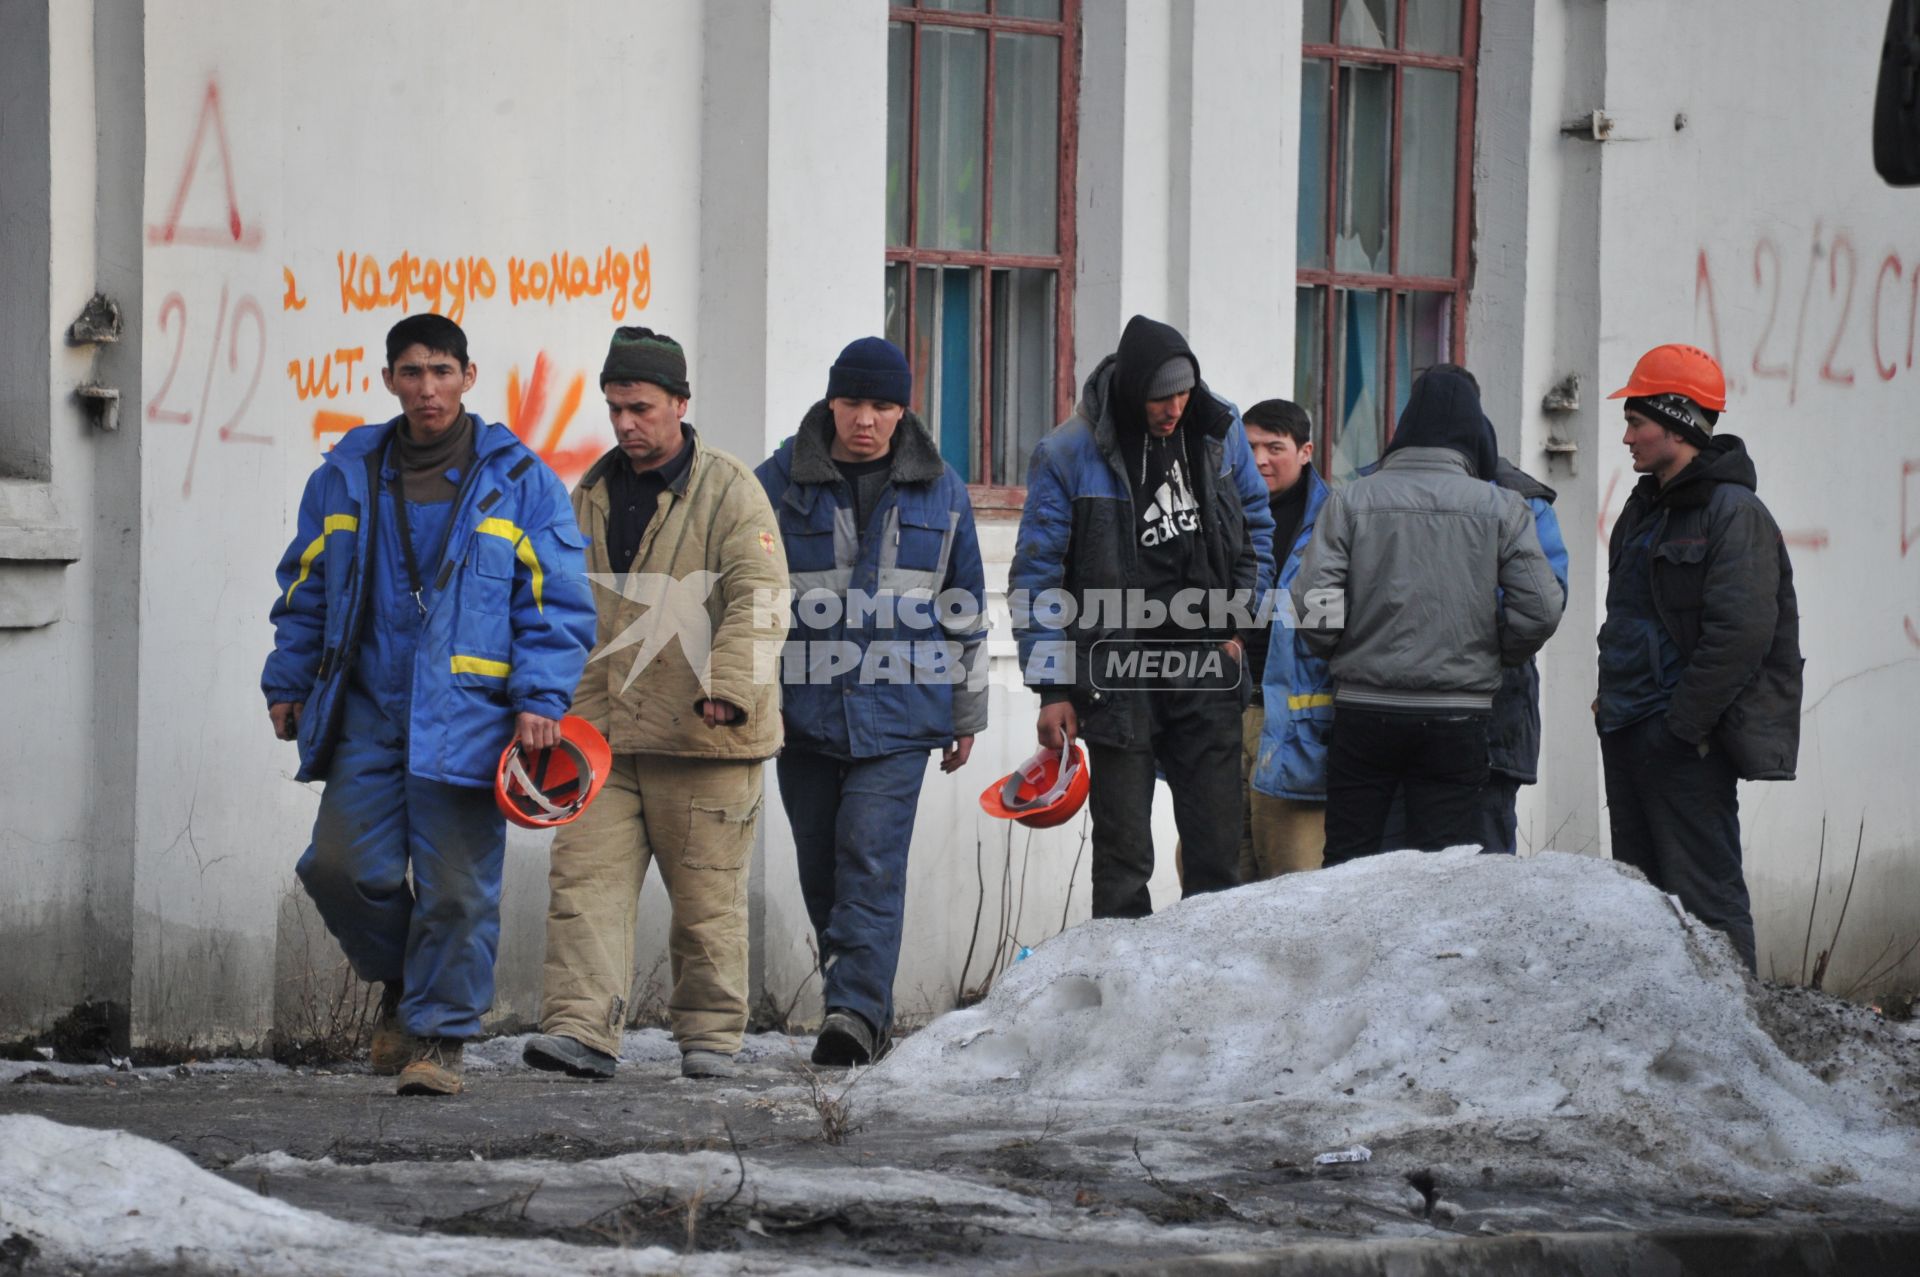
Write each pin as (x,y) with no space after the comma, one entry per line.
(1676,818)
(852,822)
(1496,827)
(1196,744)
(1437,762)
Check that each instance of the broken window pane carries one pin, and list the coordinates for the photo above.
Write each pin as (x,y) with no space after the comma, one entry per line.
(1367,24)
(1365,159)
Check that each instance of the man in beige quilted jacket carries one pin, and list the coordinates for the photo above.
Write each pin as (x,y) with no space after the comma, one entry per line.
(692,576)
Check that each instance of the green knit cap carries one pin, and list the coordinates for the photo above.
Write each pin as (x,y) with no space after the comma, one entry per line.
(641,354)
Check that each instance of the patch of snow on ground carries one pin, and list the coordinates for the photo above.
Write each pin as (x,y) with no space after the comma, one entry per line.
(1555,1012)
(114,1200)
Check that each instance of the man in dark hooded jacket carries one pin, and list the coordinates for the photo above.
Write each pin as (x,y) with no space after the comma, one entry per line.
(1145,543)
(1422,580)
(1700,652)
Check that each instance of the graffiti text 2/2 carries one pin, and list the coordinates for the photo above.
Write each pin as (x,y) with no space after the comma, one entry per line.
(1780,349)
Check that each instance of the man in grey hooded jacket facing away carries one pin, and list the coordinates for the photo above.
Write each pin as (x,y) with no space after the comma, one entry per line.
(1422,581)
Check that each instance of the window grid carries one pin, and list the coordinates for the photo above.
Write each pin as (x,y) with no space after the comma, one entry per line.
(990,496)
(1328,281)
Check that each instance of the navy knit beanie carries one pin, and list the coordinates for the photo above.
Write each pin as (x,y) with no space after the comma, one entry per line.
(871,368)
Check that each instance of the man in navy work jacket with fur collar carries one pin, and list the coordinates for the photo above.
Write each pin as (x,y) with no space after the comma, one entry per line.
(432,606)
(886,661)
(1147,497)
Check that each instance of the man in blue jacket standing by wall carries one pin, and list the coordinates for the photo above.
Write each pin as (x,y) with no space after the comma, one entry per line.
(1287,725)
(886,661)
(1143,503)
(432,607)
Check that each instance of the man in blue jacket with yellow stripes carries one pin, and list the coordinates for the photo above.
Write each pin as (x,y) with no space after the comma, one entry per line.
(432,607)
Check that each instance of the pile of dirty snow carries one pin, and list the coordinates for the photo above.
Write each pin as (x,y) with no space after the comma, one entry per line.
(1555,1015)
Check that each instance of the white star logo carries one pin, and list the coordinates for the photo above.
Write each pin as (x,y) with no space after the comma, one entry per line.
(675,609)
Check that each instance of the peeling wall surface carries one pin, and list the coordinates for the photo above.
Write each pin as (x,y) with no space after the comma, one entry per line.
(717,171)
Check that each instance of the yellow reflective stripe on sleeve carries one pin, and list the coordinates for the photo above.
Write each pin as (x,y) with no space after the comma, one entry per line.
(1315,701)
(507,530)
(334,523)
(481,665)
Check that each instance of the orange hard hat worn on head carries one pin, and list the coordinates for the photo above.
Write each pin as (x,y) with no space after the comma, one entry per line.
(1675,369)
(545,788)
(1047,790)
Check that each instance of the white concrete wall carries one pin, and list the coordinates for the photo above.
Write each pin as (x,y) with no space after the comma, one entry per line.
(1757,229)
(284,152)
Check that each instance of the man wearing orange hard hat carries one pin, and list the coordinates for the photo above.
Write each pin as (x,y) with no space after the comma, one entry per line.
(1700,650)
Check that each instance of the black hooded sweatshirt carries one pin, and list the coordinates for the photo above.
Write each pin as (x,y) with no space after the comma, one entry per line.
(1443,411)
(1166,511)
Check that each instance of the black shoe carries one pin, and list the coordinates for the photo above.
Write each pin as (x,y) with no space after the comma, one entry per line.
(845,1039)
(557,1053)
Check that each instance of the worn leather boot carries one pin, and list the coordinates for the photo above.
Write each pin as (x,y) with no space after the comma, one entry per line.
(435,1069)
(845,1039)
(393,1047)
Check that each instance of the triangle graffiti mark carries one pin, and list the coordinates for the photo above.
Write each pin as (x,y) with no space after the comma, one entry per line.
(236,233)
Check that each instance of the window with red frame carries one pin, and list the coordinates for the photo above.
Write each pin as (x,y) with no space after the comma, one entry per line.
(1386,187)
(981,115)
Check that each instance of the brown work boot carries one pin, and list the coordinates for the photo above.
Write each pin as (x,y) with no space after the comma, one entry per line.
(435,1069)
(393,1047)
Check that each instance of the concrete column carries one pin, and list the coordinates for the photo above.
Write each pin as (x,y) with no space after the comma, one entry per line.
(1562,336)
(1235,169)
(793,241)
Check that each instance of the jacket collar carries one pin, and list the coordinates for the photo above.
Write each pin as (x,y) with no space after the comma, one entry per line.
(1724,460)
(353,447)
(915,459)
(1411,458)
(613,457)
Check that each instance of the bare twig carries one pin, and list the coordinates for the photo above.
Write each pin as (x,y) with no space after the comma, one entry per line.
(1879,967)
(1074,873)
(1813,906)
(1820,968)
(979,907)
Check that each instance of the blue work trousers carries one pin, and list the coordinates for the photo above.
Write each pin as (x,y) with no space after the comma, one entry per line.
(852,822)
(437,936)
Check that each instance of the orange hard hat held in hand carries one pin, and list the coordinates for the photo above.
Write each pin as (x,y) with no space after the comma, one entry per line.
(1047,790)
(546,788)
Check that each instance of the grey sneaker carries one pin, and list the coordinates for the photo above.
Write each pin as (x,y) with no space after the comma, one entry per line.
(845,1039)
(557,1053)
(706,1064)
